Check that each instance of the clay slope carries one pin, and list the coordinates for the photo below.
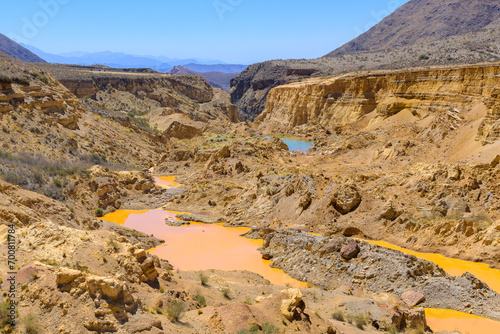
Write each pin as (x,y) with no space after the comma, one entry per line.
(433,20)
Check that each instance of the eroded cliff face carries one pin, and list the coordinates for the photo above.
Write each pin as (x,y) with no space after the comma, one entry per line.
(343,100)
(165,90)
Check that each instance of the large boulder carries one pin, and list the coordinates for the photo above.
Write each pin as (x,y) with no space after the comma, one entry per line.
(66,276)
(184,129)
(412,298)
(390,211)
(346,199)
(293,306)
(349,251)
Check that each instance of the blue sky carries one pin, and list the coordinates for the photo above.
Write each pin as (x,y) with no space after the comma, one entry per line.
(234,31)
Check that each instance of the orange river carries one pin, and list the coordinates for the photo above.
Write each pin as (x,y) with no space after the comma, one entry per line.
(167,182)
(202,246)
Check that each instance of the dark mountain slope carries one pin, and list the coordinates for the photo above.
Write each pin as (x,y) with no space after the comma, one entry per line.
(421,21)
(11,48)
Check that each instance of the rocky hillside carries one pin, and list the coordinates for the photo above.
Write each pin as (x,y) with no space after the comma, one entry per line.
(433,20)
(474,39)
(78,274)
(13,49)
(49,138)
(170,105)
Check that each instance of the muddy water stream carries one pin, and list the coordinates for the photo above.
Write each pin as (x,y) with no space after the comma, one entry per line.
(441,320)
(453,267)
(202,246)
(167,182)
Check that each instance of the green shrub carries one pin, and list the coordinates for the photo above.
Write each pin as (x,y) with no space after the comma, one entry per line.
(99,212)
(22,81)
(14,178)
(4,314)
(97,158)
(202,302)
(269,329)
(5,155)
(141,122)
(225,293)
(43,78)
(174,310)
(423,57)
(393,329)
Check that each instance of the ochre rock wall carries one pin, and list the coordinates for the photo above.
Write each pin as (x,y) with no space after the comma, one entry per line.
(342,100)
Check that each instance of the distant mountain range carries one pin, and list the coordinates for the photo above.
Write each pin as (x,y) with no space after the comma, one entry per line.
(216,79)
(11,48)
(123,60)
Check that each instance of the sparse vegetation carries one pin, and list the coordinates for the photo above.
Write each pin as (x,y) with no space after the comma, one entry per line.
(338,315)
(31,324)
(22,81)
(393,329)
(97,159)
(42,77)
(174,310)
(5,80)
(225,292)
(203,279)
(14,178)
(5,316)
(202,302)
(360,321)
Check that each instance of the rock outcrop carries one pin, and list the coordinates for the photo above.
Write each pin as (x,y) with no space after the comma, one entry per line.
(52,104)
(293,306)
(106,189)
(310,259)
